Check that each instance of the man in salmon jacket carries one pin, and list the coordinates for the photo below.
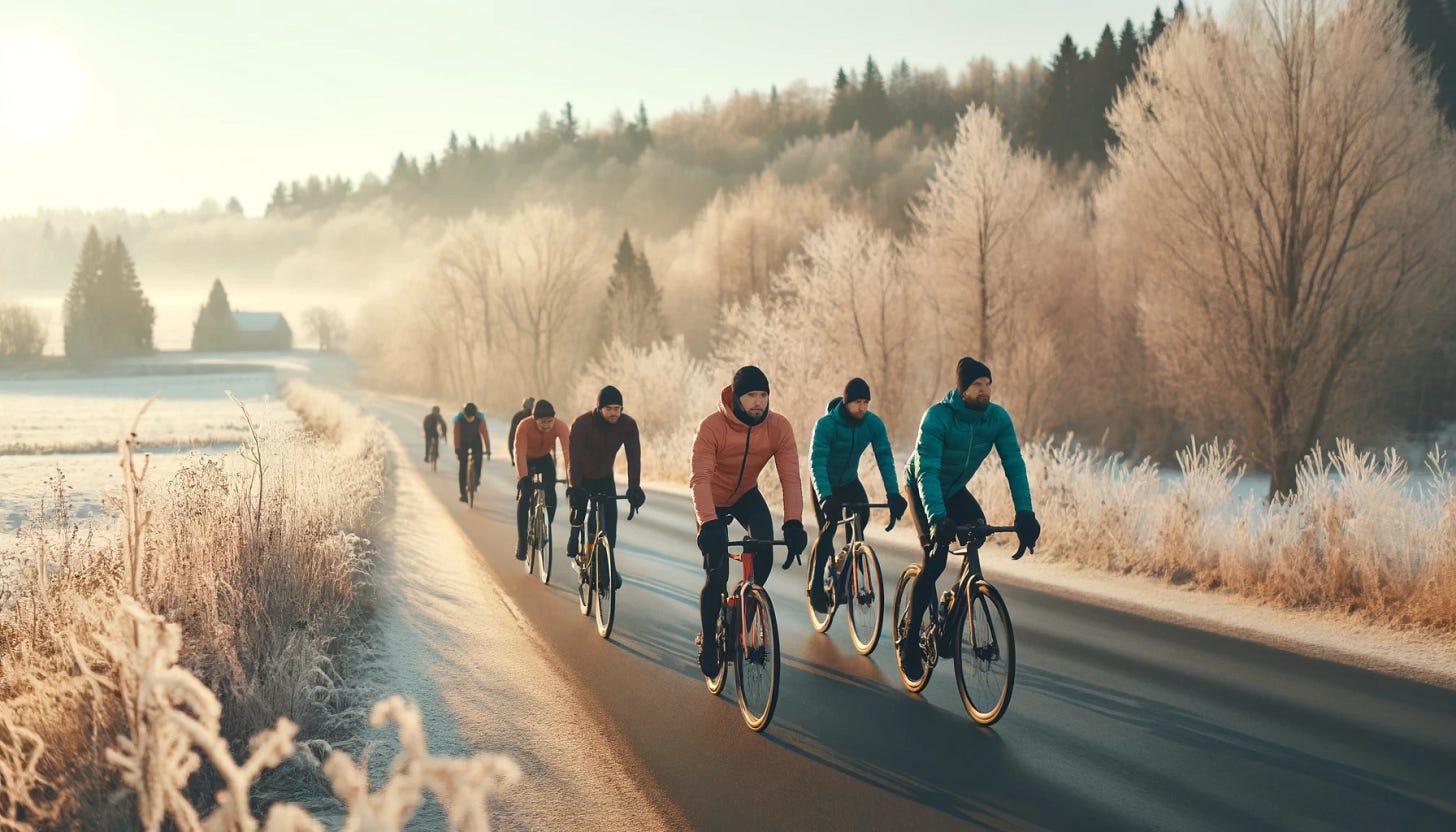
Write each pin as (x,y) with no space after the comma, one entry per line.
(731,447)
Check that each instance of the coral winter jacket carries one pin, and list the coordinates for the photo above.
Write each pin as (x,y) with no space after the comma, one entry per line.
(533,443)
(728,456)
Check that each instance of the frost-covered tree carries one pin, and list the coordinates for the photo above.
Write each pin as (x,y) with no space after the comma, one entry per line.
(22,334)
(1291,186)
(215,328)
(633,312)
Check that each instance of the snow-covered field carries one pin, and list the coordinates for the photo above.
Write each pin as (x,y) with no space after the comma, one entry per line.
(74,424)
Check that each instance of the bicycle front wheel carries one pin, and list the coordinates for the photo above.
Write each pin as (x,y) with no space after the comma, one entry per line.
(820,622)
(545,545)
(865,593)
(606,595)
(584,592)
(756,665)
(904,592)
(985,653)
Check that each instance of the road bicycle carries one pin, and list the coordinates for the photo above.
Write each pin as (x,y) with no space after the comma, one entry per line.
(969,623)
(538,529)
(852,578)
(472,479)
(432,452)
(747,635)
(595,565)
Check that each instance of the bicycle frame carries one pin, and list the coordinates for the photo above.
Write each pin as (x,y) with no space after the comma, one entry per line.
(853,534)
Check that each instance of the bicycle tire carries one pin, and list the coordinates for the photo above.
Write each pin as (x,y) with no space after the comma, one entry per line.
(756,663)
(901,613)
(818,622)
(606,595)
(867,601)
(533,538)
(545,551)
(725,621)
(992,654)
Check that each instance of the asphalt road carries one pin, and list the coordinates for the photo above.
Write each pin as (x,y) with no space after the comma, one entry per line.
(1117,721)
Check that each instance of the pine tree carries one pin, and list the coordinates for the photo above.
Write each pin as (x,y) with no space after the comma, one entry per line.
(1431,29)
(1155,31)
(567,127)
(1105,79)
(215,329)
(843,106)
(1128,52)
(875,117)
(80,312)
(634,303)
(128,330)
(1060,104)
(279,200)
(234,206)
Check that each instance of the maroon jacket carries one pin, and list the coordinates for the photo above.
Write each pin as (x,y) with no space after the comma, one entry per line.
(594,446)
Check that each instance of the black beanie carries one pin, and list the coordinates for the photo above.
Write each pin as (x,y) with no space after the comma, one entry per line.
(609,396)
(470,409)
(748,380)
(542,409)
(856,389)
(968,370)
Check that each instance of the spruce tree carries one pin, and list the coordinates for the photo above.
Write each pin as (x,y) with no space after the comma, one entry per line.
(634,303)
(1128,52)
(128,315)
(1158,26)
(80,326)
(1104,80)
(875,117)
(215,329)
(843,106)
(1060,104)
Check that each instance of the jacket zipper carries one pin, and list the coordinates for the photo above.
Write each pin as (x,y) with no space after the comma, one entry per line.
(743,465)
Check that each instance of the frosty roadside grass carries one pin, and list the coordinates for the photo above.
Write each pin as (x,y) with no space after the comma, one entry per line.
(219,624)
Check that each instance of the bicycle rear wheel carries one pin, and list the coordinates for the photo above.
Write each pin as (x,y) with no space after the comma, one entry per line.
(865,593)
(756,661)
(985,653)
(535,529)
(904,591)
(820,622)
(606,595)
(725,624)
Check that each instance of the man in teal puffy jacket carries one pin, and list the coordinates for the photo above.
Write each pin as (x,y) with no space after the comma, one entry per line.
(956,435)
(840,438)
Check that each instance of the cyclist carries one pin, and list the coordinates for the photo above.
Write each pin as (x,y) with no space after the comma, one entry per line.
(840,438)
(535,440)
(596,436)
(731,448)
(956,435)
(434,432)
(471,441)
(520,416)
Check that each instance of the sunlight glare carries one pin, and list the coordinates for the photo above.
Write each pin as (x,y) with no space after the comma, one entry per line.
(41,88)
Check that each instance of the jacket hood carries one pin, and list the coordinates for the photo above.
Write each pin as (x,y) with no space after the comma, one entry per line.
(725,407)
(834,404)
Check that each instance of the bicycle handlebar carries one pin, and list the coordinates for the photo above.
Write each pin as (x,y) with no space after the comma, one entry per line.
(982,531)
(748,541)
(847,507)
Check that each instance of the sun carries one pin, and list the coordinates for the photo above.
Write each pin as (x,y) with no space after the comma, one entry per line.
(42,91)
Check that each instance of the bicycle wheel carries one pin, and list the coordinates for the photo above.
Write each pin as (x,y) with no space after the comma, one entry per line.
(725,625)
(903,593)
(985,653)
(820,622)
(545,544)
(865,592)
(584,592)
(533,538)
(471,483)
(606,595)
(756,660)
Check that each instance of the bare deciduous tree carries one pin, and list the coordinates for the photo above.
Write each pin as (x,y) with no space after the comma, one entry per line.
(22,335)
(1289,185)
(326,326)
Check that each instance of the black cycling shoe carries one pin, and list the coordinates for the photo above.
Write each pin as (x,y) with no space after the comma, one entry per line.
(912,660)
(708,660)
(462,498)
(520,553)
(818,598)
(617,581)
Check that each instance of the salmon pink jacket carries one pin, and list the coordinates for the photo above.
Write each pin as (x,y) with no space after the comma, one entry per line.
(728,456)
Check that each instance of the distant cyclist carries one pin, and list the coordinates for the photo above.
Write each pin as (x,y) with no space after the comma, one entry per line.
(731,448)
(840,438)
(520,416)
(596,436)
(536,438)
(434,432)
(956,435)
(472,441)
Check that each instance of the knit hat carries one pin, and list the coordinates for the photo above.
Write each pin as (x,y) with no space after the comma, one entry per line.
(749,379)
(609,396)
(471,409)
(856,389)
(968,370)
(542,410)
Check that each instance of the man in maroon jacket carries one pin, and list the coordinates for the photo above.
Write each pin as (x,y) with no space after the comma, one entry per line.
(596,436)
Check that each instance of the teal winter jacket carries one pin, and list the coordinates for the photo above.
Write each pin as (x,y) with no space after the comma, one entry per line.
(838,444)
(953,442)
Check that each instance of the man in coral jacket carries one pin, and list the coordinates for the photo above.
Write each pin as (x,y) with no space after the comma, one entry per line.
(536,439)
(732,446)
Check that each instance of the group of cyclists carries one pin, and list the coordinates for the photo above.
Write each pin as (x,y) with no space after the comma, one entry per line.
(731,448)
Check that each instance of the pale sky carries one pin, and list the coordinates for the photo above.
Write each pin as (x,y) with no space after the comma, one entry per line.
(160,104)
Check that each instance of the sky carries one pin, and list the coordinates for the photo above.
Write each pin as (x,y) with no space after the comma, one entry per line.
(161,104)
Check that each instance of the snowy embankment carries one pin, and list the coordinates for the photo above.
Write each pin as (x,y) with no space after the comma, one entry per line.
(229,606)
